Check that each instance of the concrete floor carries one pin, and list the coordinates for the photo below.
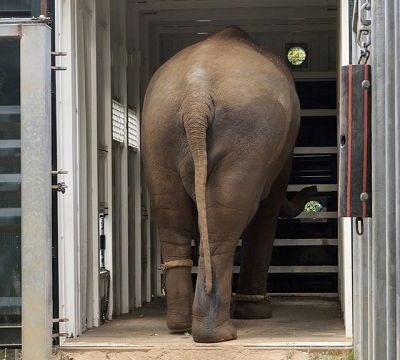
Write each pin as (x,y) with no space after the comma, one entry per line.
(297,323)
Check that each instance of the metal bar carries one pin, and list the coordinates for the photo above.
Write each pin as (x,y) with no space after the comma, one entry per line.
(391,180)
(44,7)
(298,242)
(122,68)
(6,178)
(138,75)
(10,144)
(8,30)
(212,4)
(379,206)
(346,272)
(146,196)
(117,232)
(36,7)
(289,269)
(9,109)
(10,301)
(67,140)
(108,221)
(93,302)
(283,26)
(36,192)
(322,295)
(315,150)
(320,187)
(314,75)
(306,242)
(396,95)
(82,175)
(318,215)
(10,212)
(318,112)
(148,250)
(357,293)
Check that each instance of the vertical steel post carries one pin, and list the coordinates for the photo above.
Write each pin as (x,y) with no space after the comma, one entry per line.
(36,192)
(385,147)
(136,76)
(390,180)
(378,266)
(396,198)
(396,95)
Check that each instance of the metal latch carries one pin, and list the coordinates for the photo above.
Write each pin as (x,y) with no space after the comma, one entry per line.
(61,186)
(59,68)
(58,53)
(60,335)
(59,172)
(60,320)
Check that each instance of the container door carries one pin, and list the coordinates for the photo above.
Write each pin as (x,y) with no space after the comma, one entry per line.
(10,193)
(25,187)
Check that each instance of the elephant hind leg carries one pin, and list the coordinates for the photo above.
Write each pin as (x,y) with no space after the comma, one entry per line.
(173,210)
(211,318)
(257,244)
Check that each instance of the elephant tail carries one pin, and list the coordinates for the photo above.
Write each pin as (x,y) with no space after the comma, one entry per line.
(196,118)
(296,205)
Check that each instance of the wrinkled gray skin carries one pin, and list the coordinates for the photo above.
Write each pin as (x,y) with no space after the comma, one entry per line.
(220,122)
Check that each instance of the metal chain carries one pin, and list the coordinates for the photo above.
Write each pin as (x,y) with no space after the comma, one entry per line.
(364,31)
(163,279)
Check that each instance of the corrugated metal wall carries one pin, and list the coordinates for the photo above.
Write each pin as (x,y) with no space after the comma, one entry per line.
(377,307)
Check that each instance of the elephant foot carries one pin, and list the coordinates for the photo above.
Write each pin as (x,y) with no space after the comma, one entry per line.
(179,314)
(179,327)
(203,334)
(179,296)
(252,309)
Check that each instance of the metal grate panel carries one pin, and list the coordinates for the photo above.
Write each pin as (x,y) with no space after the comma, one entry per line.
(118,122)
(133,130)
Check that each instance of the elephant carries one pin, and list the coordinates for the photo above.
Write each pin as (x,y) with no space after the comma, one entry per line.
(219,125)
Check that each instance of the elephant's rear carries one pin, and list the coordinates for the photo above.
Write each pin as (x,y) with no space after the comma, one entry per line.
(227,89)
(220,104)
(229,81)
(220,119)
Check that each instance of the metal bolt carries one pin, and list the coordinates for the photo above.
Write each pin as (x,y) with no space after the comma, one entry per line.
(44,18)
(366,84)
(364,197)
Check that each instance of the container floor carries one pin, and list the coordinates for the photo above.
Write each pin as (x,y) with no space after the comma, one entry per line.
(296,323)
